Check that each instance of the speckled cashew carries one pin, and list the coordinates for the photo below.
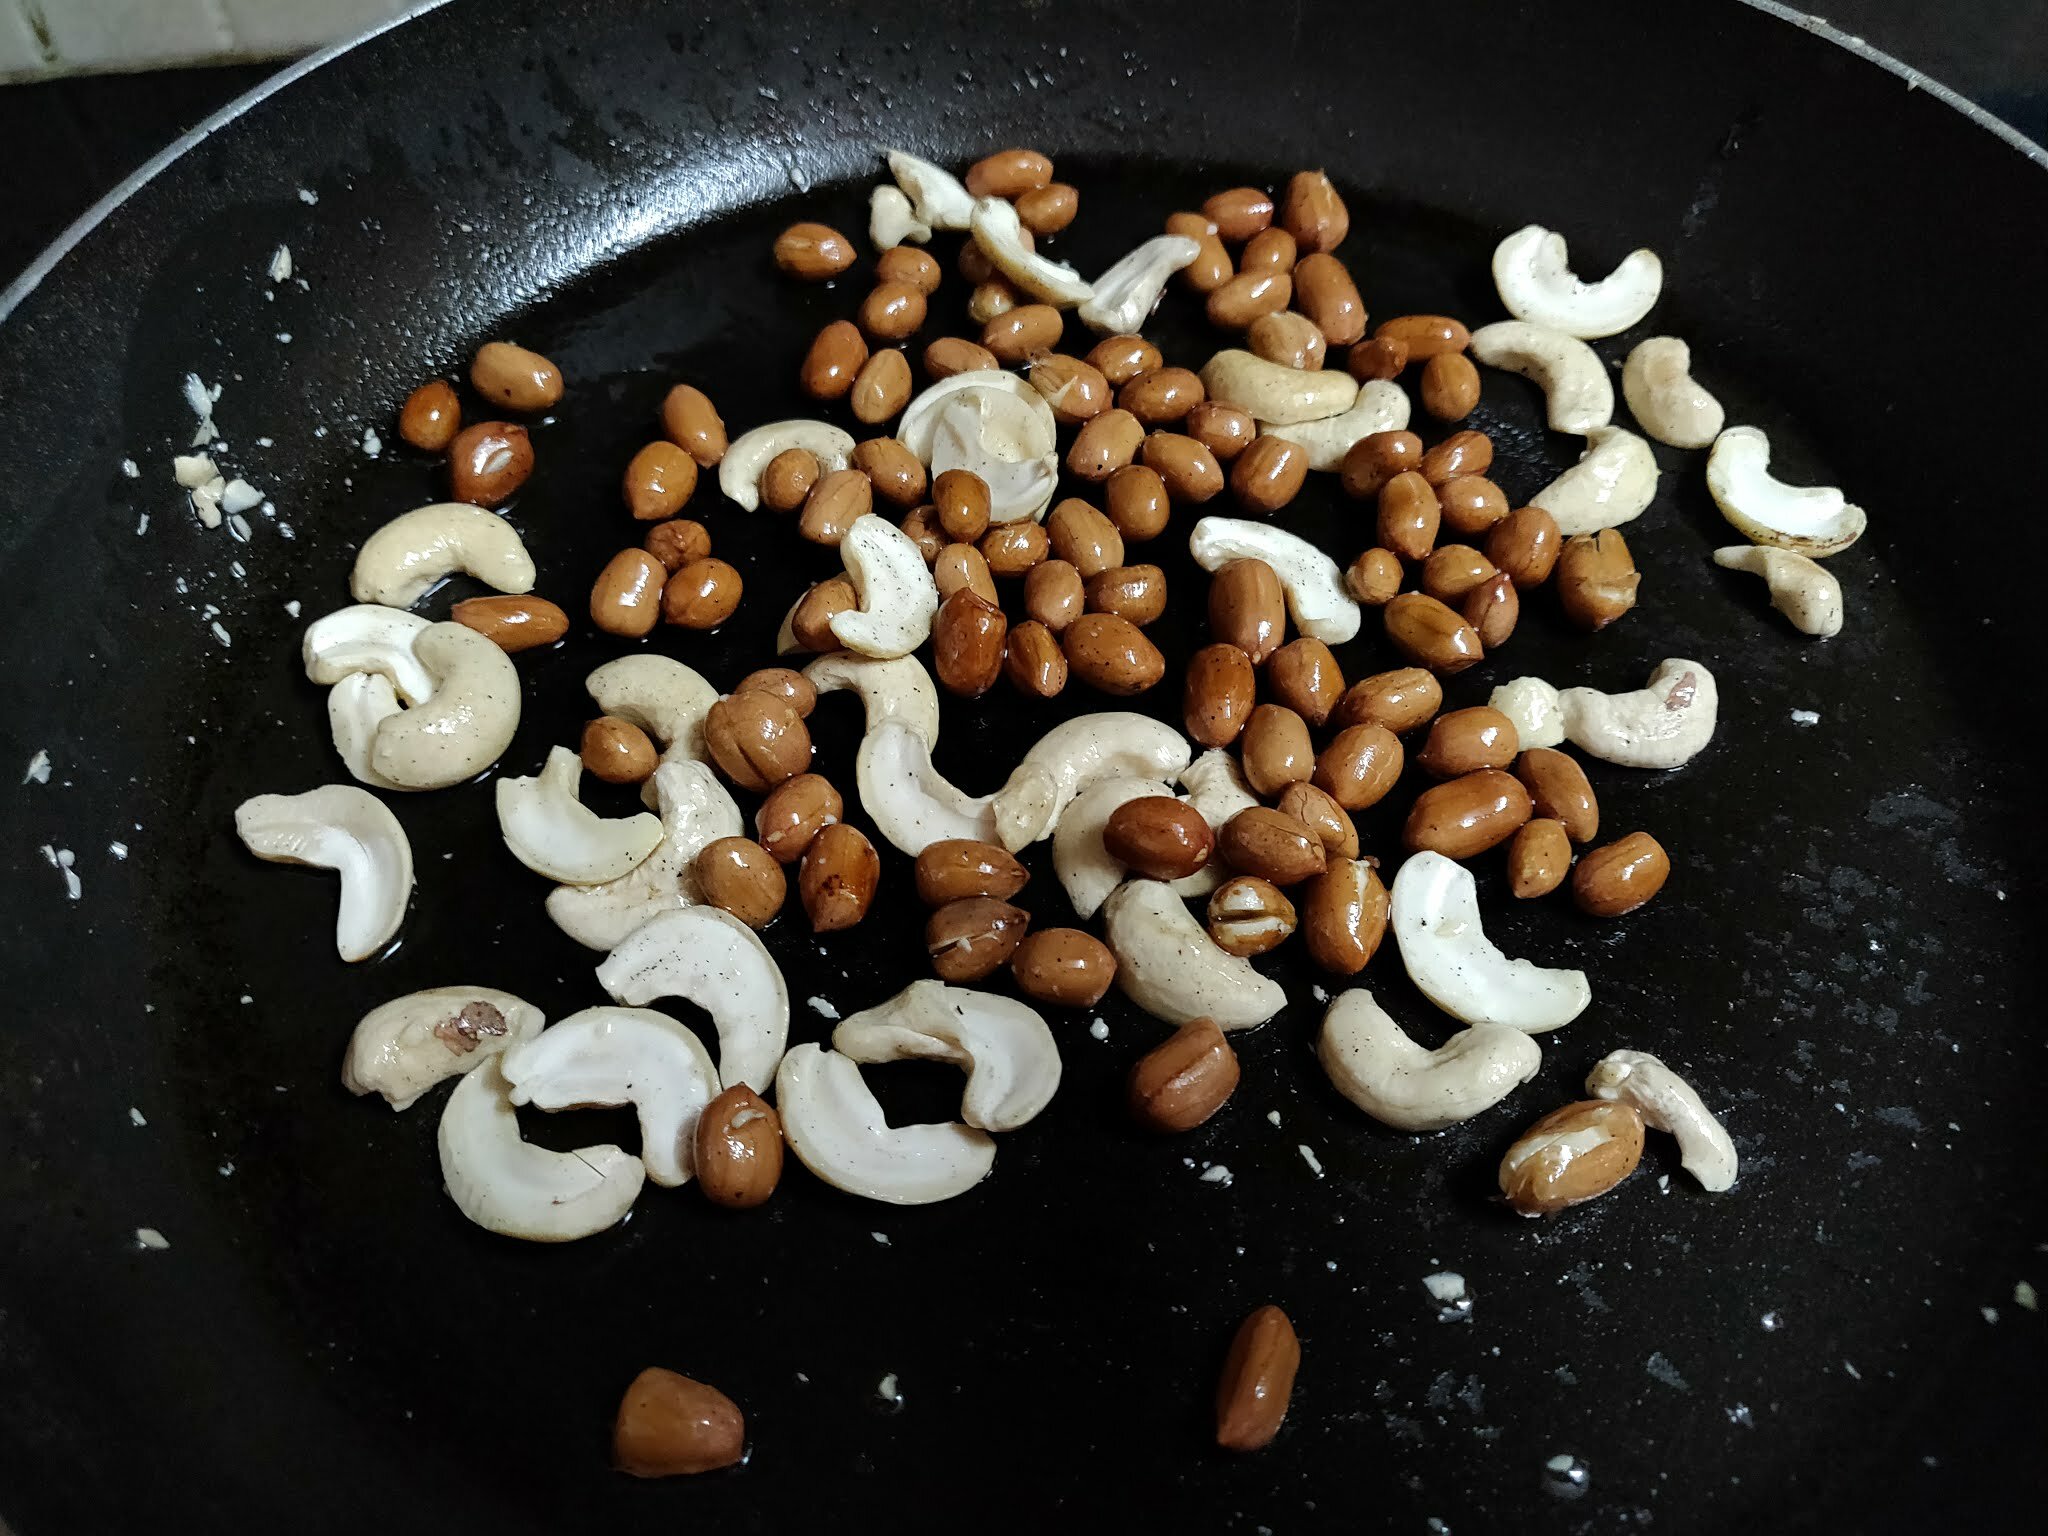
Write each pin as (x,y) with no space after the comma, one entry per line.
(1434,912)
(696,810)
(552,832)
(1665,399)
(739,472)
(898,598)
(1128,292)
(1613,483)
(1532,705)
(910,802)
(1168,965)
(1532,269)
(1277,395)
(1372,1061)
(1012,1060)
(408,1045)
(897,689)
(418,550)
(1318,601)
(506,1184)
(1810,520)
(1111,744)
(1381,406)
(1668,1103)
(1000,234)
(936,195)
(1661,725)
(1087,870)
(467,724)
(351,832)
(357,706)
(836,1128)
(1804,591)
(1578,395)
(892,220)
(709,957)
(368,638)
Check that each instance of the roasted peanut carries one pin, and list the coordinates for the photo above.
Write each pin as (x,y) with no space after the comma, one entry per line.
(738,875)
(1264,842)
(1075,390)
(626,598)
(789,478)
(1104,445)
(1571,1155)
(1190,471)
(1022,333)
(991,300)
(1225,430)
(881,388)
(1374,578)
(1064,967)
(431,416)
(836,877)
(1558,789)
(1466,740)
(1269,474)
(794,813)
(836,355)
(757,740)
(962,499)
(1452,570)
(1425,336)
(487,463)
(1053,594)
(669,1425)
(1377,357)
(1621,876)
(891,311)
(1248,608)
(908,265)
(1218,694)
(1399,700)
(1408,516)
(1462,453)
(1471,504)
(1276,750)
(1137,502)
(967,644)
(702,594)
(1249,916)
(1525,545)
(1270,250)
(677,542)
(786,683)
(961,565)
(1375,459)
(956,354)
(921,527)
(1211,268)
(1492,609)
(813,252)
(1596,578)
(1257,1381)
(1317,809)
(974,263)
(513,623)
(1239,213)
(1033,660)
(1313,213)
(1014,548)
(1304,676)
(1239,302)
(892,470)
(1120,359)
(1450,386)
(1112,654)
(1360,766)
(1286,338)
(693,424)
(1324,291)
(514,377)
(658,481)
(1049,209)
(1161,396)
(1463,817)
(1159,837)
(811,620)
(1539,857)
(968,939)
(739,1149)
(1083,537)
(955,868)
(1184,1080)
(1009,173)
(1134,592)
(617,751)
(1344,916)
(1428,633)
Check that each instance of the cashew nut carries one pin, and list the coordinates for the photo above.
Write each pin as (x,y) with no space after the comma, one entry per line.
(1012,1061)
(996,436)
(1805,592)
(1000,234)
(1217,789)
(1665,399)
(696,810)
(553,833)
(1532,705)
(898,598)
(1277,395)
(892,220)
(506,1184)
(351,832)
(467,724)
(1372,1061)
(709,957)
(357,706)
(1112,744)
(739,472)
(1577,392)
(936,195)
(608,1056)
(1533,272)
(896,689)
(663,697)
(368,638)
(837,1130)
(918,427)
(1381,406)
(1317,599)
(409,1044)
(1613,483)
(1087,870)
(1661,725)
(418,550)
(1168,965)
(1668,1103)
(910,802)
(1812,520)
(1129,291)
(1435,918)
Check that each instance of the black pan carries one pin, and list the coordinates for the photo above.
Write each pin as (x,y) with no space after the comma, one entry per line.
(1844,958)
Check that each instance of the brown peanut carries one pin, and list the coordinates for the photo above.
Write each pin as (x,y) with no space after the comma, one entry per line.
(1377,357)
(1466,740)
(1375,459)
(1275,750)
(1211,268)
(811,620)
(908,265)
(1014,548)
(1572,1155)
(1054,594)
(487,463)
(1324,291)
(1621,876)
(1399,700)
(1137,502)
(836,502)
(1344,916)
(956,354)
(1289,339)
(1558,788)
(968,939)
(1471,504)
(788,479)
(1425,336)
(892,470)
(837,876)
(961,565)
(513,623)
(738,1144)
(962,499)
(1184,1080)
(1360,766)
(1235,305)
(1429,634)
(1158,837)
(813,252)
(968,634)
(1063,966)
(617,751)
(1134,592)
(1525,544)
(1009,173)
(891,311)
(677,542)
(1408,516)
(1492,609)
(1539,857)
(757,740)
(658,481)
(992,299)
(1463,817)
(881,388)
(1022,333)
(1462,453)
(786,683)
(955,868)
(1218,694)
(702,594)
(1257,1381)
(1083,537)
(1120,359)
(1112,654)
(1304,676)
(1374,578)
(1239,214)
(1075,390)
(1596,578)
(1248,608)
(1162,396)
(1249,916)
(738,875)
(795,812)
(1452,570)
(669,1425)
(431,416)
(626,598)
(1269,474)
(1270,250)
(1450,386)
(1317,809)
(1049,209)
(1264,842)
(836,355)
(514,377)
(1190,471)
(1225,430)
(693,424)
(1034,662)
(1104,445)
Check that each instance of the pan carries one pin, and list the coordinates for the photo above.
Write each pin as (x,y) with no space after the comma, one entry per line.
(1844,958)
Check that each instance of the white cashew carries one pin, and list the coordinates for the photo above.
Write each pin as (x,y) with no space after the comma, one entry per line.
(1112,744)
(892,220)
(709,957)
(1216,788)
(357,706)
(418,550)
(898,598)
(1669,1104)
(910,802)
(837,1130)
(1812,520)
(505,1184)
(351,832)
(1661,725)
(1533,272)
(1577,393)
(1129,291)
(1317,599)
(1168,965)
(1532,705)
(1087,870)
(664,698)
(1381,406)
(609,1056)
(368,637)
(696,810)
(1372,1061)
(409,1044)
(1012,1060)
(936,195)
(995,435)
(468,723)
(1277,395)
(1434,911)
(552,832)
(1613,483)
(1000,234)
(896,689)
(918,426)
(1802,590)
(1665,399)
(739,472)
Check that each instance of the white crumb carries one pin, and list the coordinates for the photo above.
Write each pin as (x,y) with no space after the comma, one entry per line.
(285,338)
(1273,1115)
(308,196)
(1320,995)
(1099,1028)
(372,443)
(238,528)
(1217,1173)
(192,470)
(131,469)
(118,849)
(818,1005)
(238,495)
(1805,717)
(880,1237)
(889,1390)
(220,633)
(135,1116)
(281,264)
(1446,1285)
(38,769)
(142,525)
(149,1237)
(201,400)
(291,609)
(1990,1314)
(2024,1295)
(1308,1156)
(62,860)
(206,508)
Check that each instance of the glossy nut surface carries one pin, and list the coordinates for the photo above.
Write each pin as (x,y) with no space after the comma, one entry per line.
(1275,750)
(431,416)
(1063,966)
(1257,1381)
(756,740)
(1431,634)
(1360,766)
(1264,842)
(1400,700)
(955,868)
(702,594)
(1558,788)
(1159,837)
(514,377)
(1571,1155)
(738,875)
(1376,458)
(813,252)
(1344,916)
(794,813)
(669,1425)
(738,1143)
(1248,608)
(1218,694)
(1183,1080)
(693,424)
(837,876)
(1304,676)
(625,599)
(1538,858)
(1317,809)
(968,939)
(1621,876)
(487,463)
(514,622)
(1463,817)
(1466,740)
(617,751)
(1112,654)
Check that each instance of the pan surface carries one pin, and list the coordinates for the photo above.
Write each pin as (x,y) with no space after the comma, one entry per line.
(1845,960)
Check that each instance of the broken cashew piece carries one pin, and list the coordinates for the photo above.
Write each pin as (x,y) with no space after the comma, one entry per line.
(1665,399)
(467,724)
(1168,965)
(896,689)
(1317,600)
(368,638)
(1012,1060)
(898,598)
(696,810)
(999,437)
(1532,705)
(892,220)
(418,550)
(911,803)
(918,427)
(404,1047)
(1000,234)
(351,832)
(709,957)
(1801,589)
(1372,1061)
(506,1184)
(833,1124)
(1111,744)
(356,707)
(937,196)
(1277,395)
(1381,406)
(1613,483)
(1577,393)
(1129,291)
(612,1056)
(1663,724)
(1814,520)
(552,832)
(1435,917)
(1087,870)
(1533,271)
(739,472)
(1216,790)
(1669,1104)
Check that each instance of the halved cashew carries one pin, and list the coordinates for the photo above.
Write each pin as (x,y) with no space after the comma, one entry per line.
(696,810)
(1577,393)
(996,436)
(406,1046)
(1613,483)
(1111,744)
(1381,406)
(1533,272)
(1435,917)
(892,220)
(357,706)
(1814,520)
(709,957)
(1669,1104)
(1532,704)
(552,832)
(1277,395)
(1665,399)
(609,1056)
(898,598)
(838,1131)
(1316,596)
(351,832)
(505,1184)
(368,637)
(1802,590)
(739,472)
(1000,234)
(1129,291)
(1168,965)
(1087,870)
(418,550)
(911,803)
(896,689)
(1012,1060)
(1217,789)
(918,427)
(1372,1061)
(1661,725)
(467,724)
(937,198)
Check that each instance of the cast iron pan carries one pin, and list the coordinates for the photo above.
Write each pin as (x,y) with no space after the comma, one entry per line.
(1843,959)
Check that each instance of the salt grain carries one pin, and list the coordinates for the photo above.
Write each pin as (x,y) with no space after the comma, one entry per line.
(149,1237)
(1315,1164)
(818,1005)
(1217,1173)
(38,769)
(1805,717)
(281,264)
